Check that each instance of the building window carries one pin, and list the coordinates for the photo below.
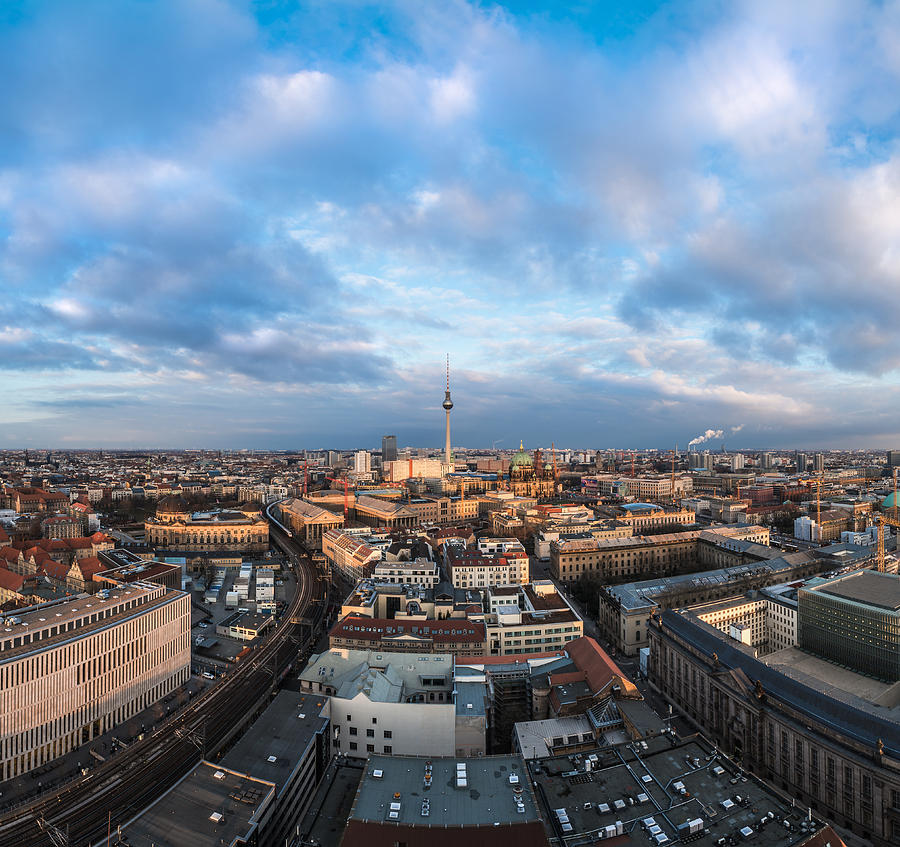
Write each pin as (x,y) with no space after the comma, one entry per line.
(388,749)
(388,733)
(352,745)
(353,730)
(370,748)
(370,733)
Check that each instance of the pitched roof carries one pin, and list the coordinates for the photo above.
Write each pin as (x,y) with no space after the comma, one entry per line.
(591,658)
(11,581)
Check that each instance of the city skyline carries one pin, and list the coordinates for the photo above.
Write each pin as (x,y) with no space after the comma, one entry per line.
(231,226)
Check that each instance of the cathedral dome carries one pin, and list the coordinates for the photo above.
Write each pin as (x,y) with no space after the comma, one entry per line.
(521,459)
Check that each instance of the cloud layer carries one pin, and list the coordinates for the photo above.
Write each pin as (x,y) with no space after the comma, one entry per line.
(230,227)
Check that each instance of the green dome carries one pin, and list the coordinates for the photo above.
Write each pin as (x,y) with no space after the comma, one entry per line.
(889,502)
(521,458)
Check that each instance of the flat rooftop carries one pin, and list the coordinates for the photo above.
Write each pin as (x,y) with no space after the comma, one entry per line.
(488,796)
(868,587)
(836,681)
(670,784)
(282,732)
(183,814)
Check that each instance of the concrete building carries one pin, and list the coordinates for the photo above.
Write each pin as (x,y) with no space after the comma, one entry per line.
(288,746)
(834,753)
(853,620)
(395,704)
(308,521)
(610,559)
(445,802)
(403,469)
(643,488)
(540,620)
(362,462)
(208,807)
(74,668)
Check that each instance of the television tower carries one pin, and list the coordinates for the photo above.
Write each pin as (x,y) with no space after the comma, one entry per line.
(448,405)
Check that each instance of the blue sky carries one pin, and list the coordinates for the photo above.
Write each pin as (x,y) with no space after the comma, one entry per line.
(263,225)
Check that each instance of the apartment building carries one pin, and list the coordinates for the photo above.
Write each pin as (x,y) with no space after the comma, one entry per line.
(72,669)
(472,569)
(353,558)
(543,622)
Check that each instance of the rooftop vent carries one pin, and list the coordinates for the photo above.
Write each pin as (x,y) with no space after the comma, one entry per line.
(219,775)
(272,759)
(217,817)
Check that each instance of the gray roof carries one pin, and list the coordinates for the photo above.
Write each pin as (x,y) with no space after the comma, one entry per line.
(842,718)
(283,731)
(487,797)
(182,814)
(634,595)
(471,698)
(868,587)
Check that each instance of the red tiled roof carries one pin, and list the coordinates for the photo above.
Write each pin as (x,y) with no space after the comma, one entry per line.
(11,581)
(90,565)
(591,658)
(10,554)
(55,570)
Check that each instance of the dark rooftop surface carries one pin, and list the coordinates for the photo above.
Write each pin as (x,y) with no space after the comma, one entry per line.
(671,785)
(488,795)
(283,732)
(182,815)
(869,587)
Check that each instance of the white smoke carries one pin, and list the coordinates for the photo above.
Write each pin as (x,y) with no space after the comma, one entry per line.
(709,435)
(737,428)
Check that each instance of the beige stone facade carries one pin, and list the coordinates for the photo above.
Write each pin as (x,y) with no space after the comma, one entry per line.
(71,670)
(176,528)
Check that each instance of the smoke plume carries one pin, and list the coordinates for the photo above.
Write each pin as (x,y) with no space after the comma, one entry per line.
(709,435)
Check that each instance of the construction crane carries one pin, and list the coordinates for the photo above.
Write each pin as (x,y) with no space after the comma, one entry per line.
(674,452)
(880,521)
(555,471)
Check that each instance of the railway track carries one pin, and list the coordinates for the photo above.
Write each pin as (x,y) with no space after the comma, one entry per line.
(78,813)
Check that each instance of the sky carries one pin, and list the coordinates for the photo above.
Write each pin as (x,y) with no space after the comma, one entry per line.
(264,225)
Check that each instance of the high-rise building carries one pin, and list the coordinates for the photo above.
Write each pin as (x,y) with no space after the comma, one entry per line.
(765,460)
(448,405)
(802,462)
(819,463)
(388,448)
(737,462)
(362,462)
(893,458)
